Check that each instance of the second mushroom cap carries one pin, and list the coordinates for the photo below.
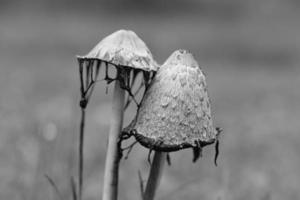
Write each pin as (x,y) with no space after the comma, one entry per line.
(175,111)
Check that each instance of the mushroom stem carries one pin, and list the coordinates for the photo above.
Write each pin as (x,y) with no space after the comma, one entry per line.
(155,175)
(80,162)
(111,173)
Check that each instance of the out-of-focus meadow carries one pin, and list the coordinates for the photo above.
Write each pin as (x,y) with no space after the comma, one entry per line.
(249,51)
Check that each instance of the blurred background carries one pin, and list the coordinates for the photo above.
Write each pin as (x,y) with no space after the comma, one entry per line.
(249,50)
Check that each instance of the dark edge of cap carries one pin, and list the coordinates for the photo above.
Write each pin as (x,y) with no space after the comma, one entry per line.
(82,58)
(160,146)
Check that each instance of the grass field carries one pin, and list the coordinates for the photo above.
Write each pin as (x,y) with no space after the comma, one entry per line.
(250,57)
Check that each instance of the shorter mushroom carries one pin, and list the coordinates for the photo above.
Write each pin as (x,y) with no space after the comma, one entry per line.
(175,111)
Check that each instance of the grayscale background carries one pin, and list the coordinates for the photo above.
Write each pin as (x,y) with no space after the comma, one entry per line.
(249,50)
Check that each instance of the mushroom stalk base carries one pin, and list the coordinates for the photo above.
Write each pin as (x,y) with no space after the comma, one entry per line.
(155,175)
(111,173)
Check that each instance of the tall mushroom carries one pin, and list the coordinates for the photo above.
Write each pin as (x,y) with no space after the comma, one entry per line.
(128,55)
(174,114)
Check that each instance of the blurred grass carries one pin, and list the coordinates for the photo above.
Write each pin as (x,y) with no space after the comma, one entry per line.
(249,51)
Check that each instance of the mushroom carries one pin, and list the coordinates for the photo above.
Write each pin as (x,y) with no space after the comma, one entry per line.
(124,52)
(174,114)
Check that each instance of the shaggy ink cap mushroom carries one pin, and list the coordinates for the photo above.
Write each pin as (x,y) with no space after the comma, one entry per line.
(124,53)
(123,50)
(175,111)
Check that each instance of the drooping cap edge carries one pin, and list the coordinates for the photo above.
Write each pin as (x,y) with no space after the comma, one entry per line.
(156,145)
(84,58)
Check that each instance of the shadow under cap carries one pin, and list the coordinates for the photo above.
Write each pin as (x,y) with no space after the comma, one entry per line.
(175,111)
(123,48)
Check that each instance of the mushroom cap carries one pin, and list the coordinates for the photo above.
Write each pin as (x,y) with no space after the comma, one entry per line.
(175,111)
(123,48)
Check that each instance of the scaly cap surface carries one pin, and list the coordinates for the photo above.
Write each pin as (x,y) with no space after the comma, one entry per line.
(175,111)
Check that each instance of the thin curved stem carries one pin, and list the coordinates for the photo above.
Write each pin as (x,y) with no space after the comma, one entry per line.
(80,161)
